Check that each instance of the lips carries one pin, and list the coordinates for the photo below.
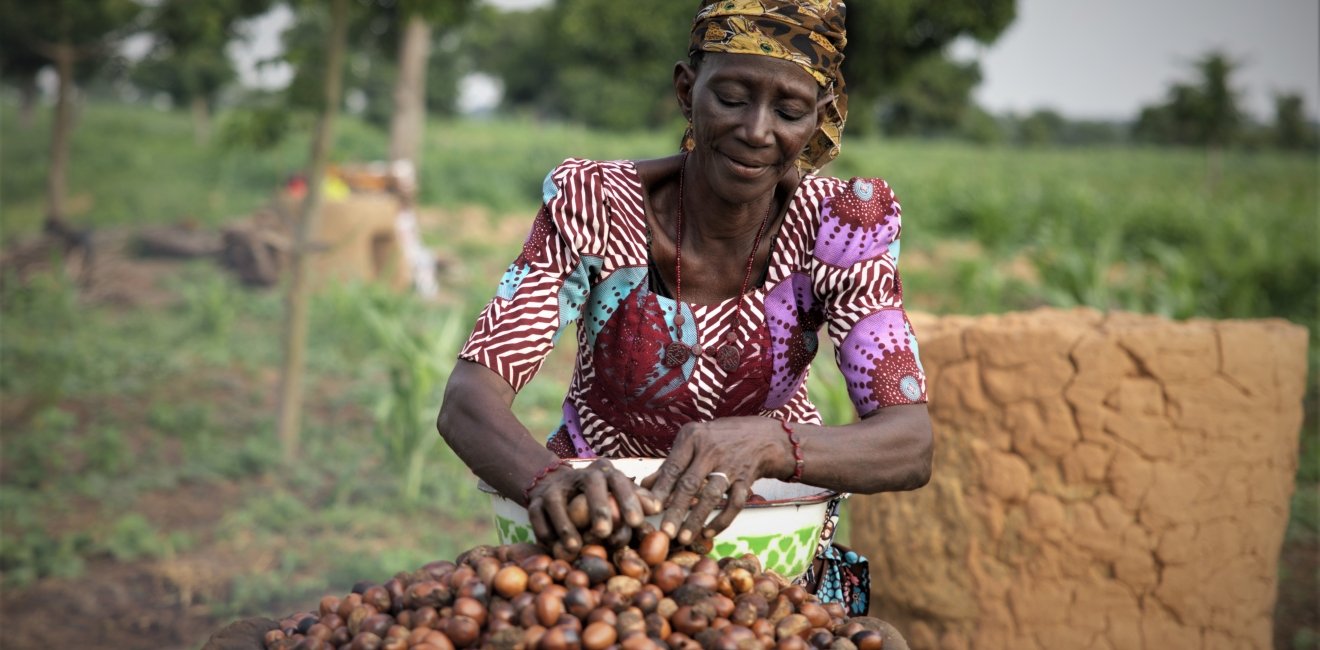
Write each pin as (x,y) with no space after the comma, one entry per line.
(746,168)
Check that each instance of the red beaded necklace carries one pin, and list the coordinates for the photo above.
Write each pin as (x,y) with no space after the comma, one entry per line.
(729,356)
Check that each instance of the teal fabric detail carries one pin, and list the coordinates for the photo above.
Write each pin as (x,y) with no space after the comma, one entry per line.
(513,277)
(574,292)
(608,295)
(548,188)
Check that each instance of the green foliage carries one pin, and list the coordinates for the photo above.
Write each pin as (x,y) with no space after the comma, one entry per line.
(90,25)
(598,62)
(374,31)
(933,99)
(419,363)
(187,59)
(890,39)
(132,537)
(1203,113)
(1291,128)
(33,554)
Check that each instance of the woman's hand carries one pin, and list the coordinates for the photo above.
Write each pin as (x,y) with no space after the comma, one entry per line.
(615,506)
(710,461)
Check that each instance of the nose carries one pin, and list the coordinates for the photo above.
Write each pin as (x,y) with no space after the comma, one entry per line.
(758,125)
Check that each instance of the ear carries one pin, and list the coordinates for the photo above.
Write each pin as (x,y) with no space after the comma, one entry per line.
(685,79)
(821,104)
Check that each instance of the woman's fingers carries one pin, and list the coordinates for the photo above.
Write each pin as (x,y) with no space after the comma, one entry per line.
(554,504)
(626,496)
(540,524)
(596,486)
(738,493)
(664,480)
(716,485)
(680,501)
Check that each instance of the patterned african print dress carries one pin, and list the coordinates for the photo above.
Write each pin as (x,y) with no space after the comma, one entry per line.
(832,263)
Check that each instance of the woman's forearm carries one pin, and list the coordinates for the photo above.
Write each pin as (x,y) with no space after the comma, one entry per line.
(890,450)
(477,420)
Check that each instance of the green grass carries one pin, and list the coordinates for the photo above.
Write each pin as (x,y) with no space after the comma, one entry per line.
(129,403)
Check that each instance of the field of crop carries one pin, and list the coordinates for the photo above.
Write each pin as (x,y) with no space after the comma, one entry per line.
(140,482)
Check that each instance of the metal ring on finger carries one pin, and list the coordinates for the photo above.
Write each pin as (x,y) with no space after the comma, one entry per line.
(722,475)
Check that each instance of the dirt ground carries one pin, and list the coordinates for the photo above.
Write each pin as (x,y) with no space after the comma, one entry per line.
(165,604)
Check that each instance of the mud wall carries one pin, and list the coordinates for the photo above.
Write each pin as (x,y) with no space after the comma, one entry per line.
(355,241)
(1109,482)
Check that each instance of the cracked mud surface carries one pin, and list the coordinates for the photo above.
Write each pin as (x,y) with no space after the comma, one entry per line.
(1101,481)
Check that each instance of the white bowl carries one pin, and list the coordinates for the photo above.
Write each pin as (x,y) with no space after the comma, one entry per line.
(783,531)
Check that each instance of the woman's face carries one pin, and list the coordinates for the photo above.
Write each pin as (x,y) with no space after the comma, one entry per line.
(751,117)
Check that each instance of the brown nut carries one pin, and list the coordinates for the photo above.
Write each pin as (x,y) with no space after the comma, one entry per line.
(668,576)
(549,607)
(579,512)
(624,586)
(657,626)
(462,631)
(471,608)
(654,548)
(378,624)
(815,613)
(689,622)
(792,643)
(868,640)
(599,635)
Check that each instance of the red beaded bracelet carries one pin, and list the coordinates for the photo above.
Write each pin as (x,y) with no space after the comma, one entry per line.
(545,471)
(797,451)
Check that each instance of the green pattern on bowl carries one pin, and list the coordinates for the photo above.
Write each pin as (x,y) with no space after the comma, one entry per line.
(787,554)
(512,532)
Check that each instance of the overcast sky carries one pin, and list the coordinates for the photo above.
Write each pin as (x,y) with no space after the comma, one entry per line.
(1108,58)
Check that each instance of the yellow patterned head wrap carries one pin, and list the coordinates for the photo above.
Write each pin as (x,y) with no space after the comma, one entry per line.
(809,33)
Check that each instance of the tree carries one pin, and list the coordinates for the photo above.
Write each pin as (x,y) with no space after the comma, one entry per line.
(1291,129)
(889,39)
(932,100)
(66,33)
(608,63)
(1204,112)
(378,31)
(410,99)
(297,298)
(604,63)
(1219,117)
(187,59)
(1042,127)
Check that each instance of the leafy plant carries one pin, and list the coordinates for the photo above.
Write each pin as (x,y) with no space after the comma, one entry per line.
(132,537)
(418,366)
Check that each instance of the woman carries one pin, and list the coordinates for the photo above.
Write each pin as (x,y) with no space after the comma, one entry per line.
(698,283)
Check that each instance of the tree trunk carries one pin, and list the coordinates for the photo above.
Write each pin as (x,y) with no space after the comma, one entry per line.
(64,57)
(297,298)
(201,118)
(409,120)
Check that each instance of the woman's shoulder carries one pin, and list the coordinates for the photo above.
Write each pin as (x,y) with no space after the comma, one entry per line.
(584,174)
(858,219)
(595,202)
(866,190)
